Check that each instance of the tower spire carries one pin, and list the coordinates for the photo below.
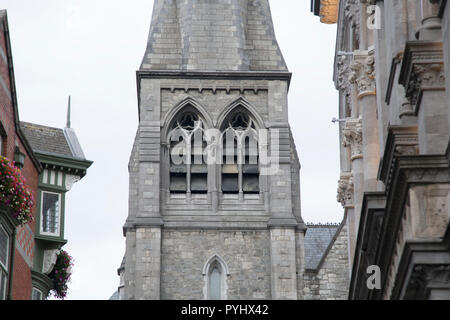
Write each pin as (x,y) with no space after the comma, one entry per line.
(68,114)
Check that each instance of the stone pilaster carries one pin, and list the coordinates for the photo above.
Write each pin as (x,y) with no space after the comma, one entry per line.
(363,76)
(283,263)
(148,263)
(353,140)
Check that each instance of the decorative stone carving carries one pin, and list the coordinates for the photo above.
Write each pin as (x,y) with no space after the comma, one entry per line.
(430,210)
(343,69)
(422,69)
(424,76)
(49,260)
(362,73)
(353,137)
(70,180)
(345,190)
(426,276)
(352,15)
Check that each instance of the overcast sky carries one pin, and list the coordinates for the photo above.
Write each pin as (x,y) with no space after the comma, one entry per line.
(91,49)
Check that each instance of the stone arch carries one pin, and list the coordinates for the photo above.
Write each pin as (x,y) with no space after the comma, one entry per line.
(187,102)
(243,103)
(212,264)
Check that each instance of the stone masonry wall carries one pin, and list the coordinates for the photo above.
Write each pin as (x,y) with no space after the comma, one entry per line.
(331,282)
(185,253)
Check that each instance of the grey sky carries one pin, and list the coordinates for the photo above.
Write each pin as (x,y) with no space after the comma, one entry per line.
(91,49)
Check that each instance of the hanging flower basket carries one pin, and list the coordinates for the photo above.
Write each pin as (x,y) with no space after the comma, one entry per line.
(60,274)
(14,192)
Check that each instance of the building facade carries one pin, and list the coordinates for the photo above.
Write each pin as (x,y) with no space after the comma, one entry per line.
(50,160)
(214,202)
(392,70)
(16,241)
(63,163)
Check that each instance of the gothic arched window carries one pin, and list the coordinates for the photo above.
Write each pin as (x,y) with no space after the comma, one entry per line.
(240,166)
(215,282)
(215,273)
(188,169)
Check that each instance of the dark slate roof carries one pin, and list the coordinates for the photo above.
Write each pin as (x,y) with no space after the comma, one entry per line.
(54,141)
(317,240)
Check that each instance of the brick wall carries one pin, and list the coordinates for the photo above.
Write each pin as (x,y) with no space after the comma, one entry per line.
(21,284)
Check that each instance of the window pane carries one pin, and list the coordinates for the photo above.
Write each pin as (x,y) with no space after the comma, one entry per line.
(50,212)
(215,284)
(4,248)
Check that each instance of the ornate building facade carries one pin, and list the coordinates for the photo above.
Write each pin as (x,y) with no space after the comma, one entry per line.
(214,203)
(392,66)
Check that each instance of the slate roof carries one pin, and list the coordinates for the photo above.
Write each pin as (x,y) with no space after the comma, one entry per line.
(54,141)
(317,240)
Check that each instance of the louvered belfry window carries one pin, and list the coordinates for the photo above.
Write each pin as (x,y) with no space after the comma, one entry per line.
(240,168)
(188,169)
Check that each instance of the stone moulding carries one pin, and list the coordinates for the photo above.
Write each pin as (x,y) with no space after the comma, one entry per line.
(422,69)
(401,141)
(394,66)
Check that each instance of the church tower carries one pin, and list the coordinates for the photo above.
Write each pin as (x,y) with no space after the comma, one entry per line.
(214,202)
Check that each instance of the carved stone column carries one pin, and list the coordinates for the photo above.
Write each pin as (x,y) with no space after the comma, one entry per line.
(363,76)
(353,140)
(431,23)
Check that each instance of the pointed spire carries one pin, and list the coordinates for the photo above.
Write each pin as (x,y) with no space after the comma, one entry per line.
(68,115)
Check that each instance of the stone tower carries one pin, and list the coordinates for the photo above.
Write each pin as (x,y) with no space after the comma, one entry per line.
(203,223)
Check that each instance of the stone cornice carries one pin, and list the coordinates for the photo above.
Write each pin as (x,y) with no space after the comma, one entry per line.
(422,69)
